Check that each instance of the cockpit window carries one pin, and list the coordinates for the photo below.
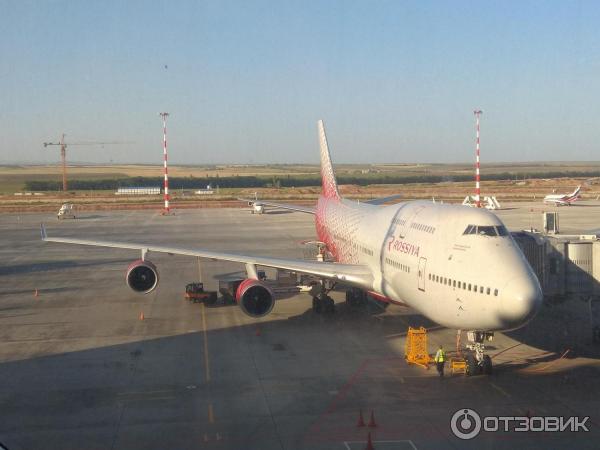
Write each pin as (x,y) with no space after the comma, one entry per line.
(471,229)
(486,230)
(502,231)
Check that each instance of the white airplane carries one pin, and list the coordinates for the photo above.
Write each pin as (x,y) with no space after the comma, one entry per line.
(565,199)
(258,207)
(457,266)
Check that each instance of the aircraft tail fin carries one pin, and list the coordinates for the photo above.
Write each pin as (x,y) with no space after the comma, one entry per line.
(329,184)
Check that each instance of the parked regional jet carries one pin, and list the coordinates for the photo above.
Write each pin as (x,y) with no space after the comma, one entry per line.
(566,199)
(456,265)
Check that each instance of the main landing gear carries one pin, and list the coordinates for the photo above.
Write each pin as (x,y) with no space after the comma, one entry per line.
(322,303)
(476,360)
(356,298)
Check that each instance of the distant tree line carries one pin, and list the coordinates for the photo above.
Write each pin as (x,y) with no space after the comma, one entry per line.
(285,181)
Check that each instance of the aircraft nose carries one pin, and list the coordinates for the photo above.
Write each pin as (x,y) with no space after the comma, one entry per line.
(521,300)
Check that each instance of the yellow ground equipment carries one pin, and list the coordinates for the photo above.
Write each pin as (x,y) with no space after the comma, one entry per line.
(416,351)
(458,365)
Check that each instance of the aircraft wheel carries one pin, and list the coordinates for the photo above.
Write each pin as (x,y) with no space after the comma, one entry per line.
(329,305)
(212,299)
(472,366)
(317,305)
(487,365)
(351,299)
(356,298)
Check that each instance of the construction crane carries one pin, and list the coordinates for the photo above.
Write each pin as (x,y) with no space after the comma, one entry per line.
(63,153)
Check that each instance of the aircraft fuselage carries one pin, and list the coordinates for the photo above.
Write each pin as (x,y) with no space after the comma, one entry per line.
(426,255)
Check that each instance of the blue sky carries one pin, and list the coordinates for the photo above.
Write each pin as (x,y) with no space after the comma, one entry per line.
(246,81)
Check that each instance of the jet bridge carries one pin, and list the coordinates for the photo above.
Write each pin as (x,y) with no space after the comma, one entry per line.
(568,268)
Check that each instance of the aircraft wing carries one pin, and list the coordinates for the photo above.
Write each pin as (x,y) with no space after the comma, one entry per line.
(358,275)
(298,208)
(382,200)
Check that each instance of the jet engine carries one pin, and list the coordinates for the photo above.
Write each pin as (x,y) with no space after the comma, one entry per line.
(142,276)
(255,298)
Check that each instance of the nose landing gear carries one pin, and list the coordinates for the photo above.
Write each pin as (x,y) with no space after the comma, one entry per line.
(477,361)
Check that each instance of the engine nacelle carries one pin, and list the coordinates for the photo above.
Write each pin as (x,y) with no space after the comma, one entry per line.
(255,298)
(142,276)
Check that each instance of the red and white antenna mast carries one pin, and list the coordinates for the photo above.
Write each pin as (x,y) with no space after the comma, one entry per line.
(477,113)
(164,116)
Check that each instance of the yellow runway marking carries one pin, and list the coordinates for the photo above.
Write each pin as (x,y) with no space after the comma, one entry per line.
(211,415)
(206,359)
(499,389)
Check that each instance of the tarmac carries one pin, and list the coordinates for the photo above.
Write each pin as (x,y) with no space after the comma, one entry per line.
(80,370)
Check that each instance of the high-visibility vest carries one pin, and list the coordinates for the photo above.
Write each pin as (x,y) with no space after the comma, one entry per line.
(440,356)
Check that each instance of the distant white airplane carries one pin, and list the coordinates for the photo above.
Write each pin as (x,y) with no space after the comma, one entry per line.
(257,206)
(458,266)
(565,199)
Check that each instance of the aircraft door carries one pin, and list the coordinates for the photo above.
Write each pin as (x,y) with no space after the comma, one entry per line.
(422,267)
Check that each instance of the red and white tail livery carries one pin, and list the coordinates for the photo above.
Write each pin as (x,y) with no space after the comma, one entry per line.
(563,199)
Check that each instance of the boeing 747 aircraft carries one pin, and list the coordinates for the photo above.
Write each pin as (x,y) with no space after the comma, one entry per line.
(456,265)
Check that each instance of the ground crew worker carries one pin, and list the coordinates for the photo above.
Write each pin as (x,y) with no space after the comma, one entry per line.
(440,360)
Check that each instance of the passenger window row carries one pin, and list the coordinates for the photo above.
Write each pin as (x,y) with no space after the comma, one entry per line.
(582,262)
(462,285)
(366,250)
(339,237)
(422,227)
(400,222)
(397,265)
(486,230)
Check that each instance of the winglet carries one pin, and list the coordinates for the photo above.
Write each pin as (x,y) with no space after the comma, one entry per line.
(329,188)
(43,232)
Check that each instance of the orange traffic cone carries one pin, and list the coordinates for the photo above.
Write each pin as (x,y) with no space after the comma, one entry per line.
(372,423)
(35,293)
(361,421)
(142,315)
(369,443)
